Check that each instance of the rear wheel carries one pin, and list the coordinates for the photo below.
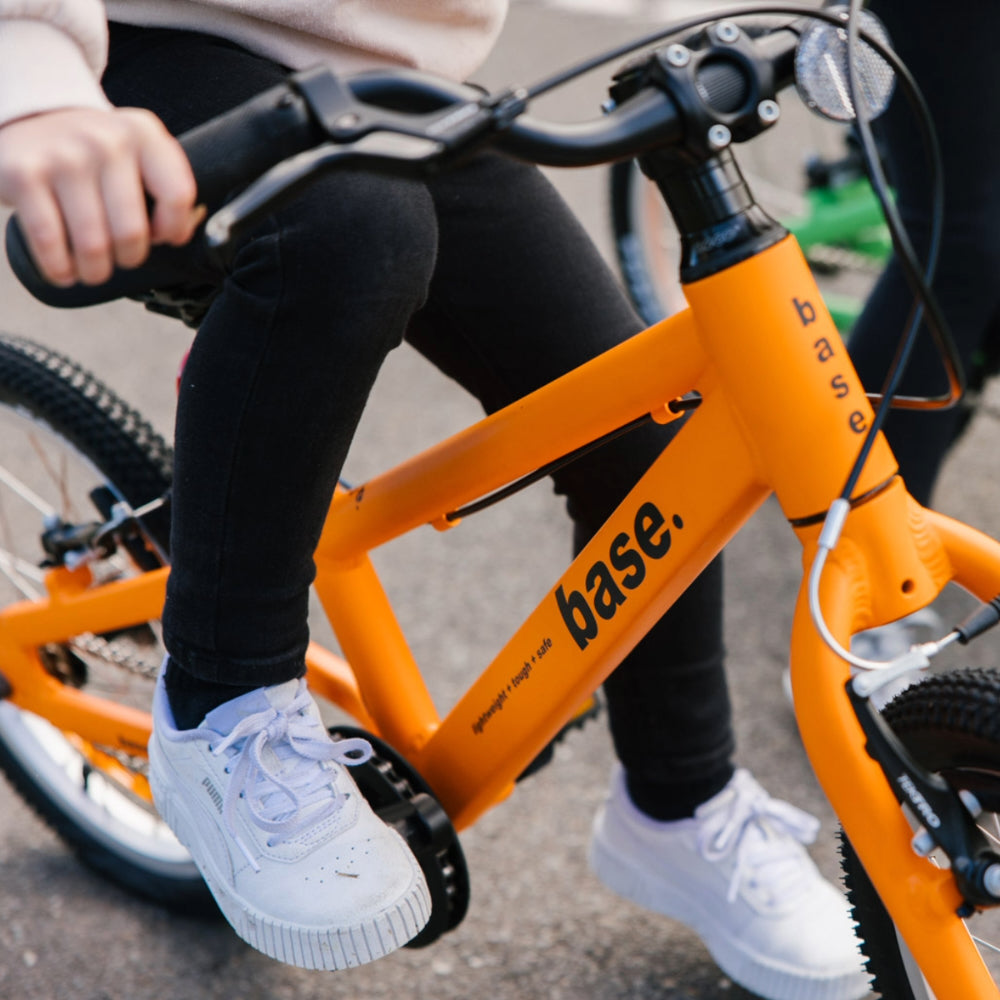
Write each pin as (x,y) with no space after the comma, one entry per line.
(951,724)
(647,244)
(70,449)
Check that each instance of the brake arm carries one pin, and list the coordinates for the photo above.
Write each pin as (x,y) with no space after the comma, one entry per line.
(947,818)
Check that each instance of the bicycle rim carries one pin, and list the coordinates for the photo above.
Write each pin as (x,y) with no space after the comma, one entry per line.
(69,448)
(647,244)
(950,724)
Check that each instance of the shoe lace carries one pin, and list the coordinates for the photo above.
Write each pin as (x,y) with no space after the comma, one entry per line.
(282,763)
(755,829)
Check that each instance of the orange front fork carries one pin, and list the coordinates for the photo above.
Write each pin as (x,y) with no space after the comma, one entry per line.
(892,558)
(793,387)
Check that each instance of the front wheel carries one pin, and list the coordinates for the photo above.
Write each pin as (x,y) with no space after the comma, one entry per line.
(69,450)
(951,724)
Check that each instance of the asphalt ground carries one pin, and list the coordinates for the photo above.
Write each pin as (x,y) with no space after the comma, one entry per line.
(539,924)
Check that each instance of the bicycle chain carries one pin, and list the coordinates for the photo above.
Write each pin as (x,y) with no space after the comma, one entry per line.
(97,645)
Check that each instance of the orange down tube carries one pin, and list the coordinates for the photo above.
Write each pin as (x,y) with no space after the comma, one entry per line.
(692,500)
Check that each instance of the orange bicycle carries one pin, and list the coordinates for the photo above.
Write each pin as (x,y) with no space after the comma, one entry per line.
(771,403)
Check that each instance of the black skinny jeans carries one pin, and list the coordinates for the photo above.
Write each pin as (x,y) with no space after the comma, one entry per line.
(472,268)
(952,54)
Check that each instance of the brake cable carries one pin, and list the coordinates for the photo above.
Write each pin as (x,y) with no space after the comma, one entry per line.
(919,278)
(925,299)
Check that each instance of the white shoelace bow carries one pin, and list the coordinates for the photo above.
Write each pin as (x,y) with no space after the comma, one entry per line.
(293,790)
(751,827)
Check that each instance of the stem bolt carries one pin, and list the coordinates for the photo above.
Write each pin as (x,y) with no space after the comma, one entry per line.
(678,55)
(727,32)
(719,137)
(768,112)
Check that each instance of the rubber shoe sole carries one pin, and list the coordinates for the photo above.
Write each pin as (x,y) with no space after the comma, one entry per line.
(758,974)
(295,944)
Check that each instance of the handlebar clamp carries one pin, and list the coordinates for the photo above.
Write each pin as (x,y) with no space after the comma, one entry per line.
(722,87)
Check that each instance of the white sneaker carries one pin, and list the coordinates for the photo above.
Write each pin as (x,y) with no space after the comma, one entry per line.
(738,876)
(298,862)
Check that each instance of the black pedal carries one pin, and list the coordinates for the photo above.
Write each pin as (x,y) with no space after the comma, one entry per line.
(402,799)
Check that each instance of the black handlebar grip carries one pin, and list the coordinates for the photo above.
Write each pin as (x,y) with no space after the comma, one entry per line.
(234,149)
(226,154)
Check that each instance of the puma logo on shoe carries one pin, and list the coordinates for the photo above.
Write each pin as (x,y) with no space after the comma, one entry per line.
(213,793)
(278,781)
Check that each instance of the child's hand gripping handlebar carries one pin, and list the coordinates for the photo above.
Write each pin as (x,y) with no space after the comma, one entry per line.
(260,153)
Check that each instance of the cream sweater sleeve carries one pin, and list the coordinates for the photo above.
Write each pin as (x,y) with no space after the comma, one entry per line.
(52,53)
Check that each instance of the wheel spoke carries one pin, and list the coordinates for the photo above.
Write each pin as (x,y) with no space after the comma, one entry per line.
(25,492)
(66,443)
(989,834)
(19,571)
(949,723)
(985,944)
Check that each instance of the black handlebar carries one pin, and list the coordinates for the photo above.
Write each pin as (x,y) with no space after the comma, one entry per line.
(224,154)
(403,122)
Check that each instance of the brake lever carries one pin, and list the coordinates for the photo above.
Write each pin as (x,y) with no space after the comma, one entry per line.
(383,150)
(404,144)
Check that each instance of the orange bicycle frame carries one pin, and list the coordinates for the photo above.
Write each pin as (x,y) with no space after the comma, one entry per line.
(781,410)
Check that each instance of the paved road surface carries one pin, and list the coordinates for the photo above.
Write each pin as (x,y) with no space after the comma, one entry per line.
(540,926)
